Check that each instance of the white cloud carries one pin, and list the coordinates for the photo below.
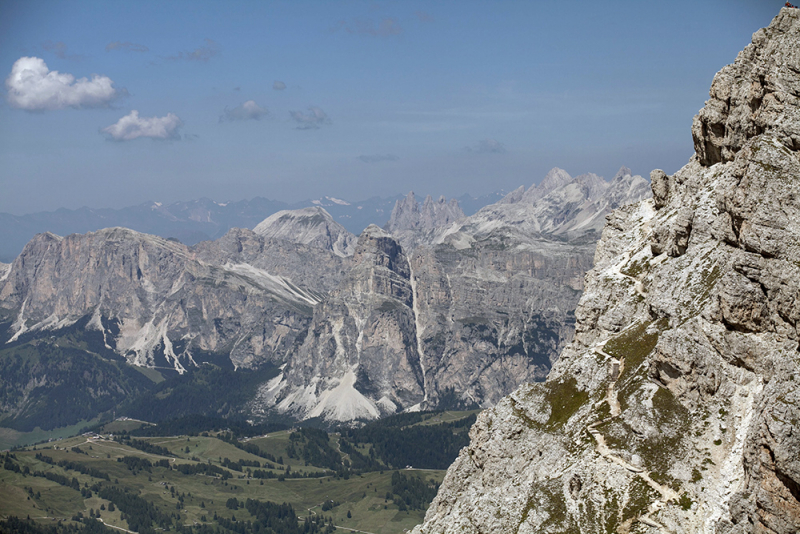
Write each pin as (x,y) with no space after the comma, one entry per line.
(248,110)
(132,126)
(487,146)
(34,87)
(311,120)
(279,85)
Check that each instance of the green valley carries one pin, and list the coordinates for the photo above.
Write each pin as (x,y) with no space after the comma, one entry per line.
(202,475)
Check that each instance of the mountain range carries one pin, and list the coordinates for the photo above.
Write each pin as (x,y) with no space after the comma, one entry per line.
(196,220)
(444,311)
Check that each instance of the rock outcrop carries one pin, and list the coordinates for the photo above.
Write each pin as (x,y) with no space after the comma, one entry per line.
(243,299)
(359,359)
(308,226)
(410,223)
(559,207)
(479,306)
(495,292)
(676,406)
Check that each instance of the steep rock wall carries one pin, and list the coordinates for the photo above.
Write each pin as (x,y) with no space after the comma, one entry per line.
(676,407)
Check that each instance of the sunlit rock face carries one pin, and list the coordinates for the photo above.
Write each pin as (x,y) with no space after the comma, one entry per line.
(468,311)
(243,299)
(443,311)
(676,406)
(411,221)
(308,226)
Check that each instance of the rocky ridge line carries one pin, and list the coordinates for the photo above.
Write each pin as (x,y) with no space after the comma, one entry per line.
(308,226)
(676,407)
(410,222)
(479,314)
(243,298)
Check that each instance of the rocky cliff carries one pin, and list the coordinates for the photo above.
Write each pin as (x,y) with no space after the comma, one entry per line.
(560,207)
(470,310)
(359,359)
(495,292)
(410,223)
(308,226)
(243,299)
(676,406)
(481,305)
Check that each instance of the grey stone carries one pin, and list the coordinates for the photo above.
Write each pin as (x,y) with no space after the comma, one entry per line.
(676,403)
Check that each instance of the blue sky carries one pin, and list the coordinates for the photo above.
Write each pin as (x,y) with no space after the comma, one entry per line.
(294,100)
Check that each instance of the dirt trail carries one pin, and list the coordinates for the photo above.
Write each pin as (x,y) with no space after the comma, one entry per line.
(667,494)
(118,528)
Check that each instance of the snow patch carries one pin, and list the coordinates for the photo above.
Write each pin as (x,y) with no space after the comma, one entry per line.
(338,201)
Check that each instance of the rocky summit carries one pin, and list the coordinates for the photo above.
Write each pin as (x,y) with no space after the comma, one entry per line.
(308,226)
(359,359)
(451,312)
(676,407)
(410,221)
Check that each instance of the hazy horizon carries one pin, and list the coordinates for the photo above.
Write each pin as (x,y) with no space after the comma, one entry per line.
(111,105)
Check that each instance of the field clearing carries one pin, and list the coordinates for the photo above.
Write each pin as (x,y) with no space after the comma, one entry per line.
(197,498)
(446,417)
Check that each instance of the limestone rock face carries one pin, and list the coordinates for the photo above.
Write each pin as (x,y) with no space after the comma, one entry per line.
(756,94)
(560,207)
(316,269)
(494,315)
(676,406)
(160,303)
(308,226)
(410,223)
(461,314)
(359,359)
(495,292)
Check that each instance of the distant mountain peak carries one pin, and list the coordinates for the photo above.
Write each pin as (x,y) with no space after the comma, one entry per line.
(409,216)
(308,226)
(622,172)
